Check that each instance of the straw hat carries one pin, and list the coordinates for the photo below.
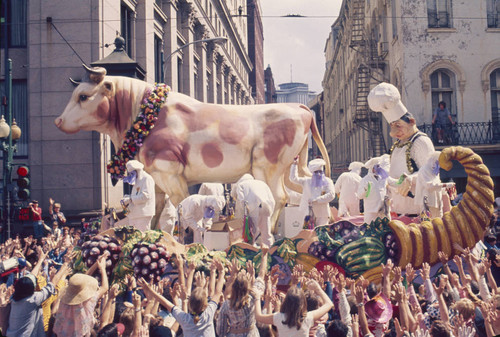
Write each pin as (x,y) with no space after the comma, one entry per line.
(80,288)
(316,164)
(379,309)
(386,98)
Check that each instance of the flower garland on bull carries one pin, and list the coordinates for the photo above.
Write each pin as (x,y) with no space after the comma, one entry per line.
(140,129)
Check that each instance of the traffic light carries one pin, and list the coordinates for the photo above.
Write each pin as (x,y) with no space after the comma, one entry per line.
(23,182)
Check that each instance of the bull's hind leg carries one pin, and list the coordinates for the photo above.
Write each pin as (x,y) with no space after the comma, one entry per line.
(276,184)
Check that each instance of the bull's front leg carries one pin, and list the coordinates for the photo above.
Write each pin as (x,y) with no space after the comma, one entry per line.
(173,185)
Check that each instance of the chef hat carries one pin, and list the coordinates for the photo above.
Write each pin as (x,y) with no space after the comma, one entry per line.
(217,202)
(316,164)
(134,165)
(386,98)
(355,165)
(372,162)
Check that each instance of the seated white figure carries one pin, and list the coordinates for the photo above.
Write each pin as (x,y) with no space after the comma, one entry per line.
(257,197)
(197,211)
(317,191)
(345,186)
(373,189)
(141,201)
(168,216)
(429,189)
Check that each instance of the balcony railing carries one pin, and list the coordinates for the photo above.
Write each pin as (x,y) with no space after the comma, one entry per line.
(480,133)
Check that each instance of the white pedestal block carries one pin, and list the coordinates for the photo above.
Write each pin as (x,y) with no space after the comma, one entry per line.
(216,240)
(290,222)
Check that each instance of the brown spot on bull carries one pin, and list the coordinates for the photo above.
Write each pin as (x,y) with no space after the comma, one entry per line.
(201,118)
(120,113)
(306,117)
(276,136)
(102,111)
(166,146)
(211,154)
(232,129)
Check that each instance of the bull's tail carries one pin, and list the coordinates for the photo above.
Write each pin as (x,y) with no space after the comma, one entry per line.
(319,142)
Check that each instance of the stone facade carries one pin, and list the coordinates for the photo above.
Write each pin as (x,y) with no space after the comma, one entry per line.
(256,50)
(71,168)
(434,50)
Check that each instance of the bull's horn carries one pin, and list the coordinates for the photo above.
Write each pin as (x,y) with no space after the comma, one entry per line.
(463,225)
(96,74)
(75,83)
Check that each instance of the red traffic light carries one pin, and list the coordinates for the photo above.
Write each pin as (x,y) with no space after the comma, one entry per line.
(23,171)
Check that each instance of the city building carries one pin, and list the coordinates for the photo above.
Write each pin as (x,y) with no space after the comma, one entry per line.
(270,88)
(49,40)
(294,92)
(434,50)
(256,50)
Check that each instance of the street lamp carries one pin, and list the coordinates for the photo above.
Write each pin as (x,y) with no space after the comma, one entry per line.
(9,134)
(216,40)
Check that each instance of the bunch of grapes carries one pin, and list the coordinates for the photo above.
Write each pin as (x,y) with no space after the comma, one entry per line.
(391,246)
(321,251)
(99,245)
(149,260)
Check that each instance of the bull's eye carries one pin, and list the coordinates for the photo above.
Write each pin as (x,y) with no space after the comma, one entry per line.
(83,98)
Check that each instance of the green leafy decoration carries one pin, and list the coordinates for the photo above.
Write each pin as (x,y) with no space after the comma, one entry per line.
(287,251)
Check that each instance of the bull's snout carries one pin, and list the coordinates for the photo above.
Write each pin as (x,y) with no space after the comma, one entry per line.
(58,122)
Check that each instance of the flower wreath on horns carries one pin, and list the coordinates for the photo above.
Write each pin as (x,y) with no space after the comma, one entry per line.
(134,138)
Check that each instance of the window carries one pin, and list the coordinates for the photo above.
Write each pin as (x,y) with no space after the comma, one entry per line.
(394,19)
(19,113)
(439,13)
(493,11)
(495,100)
(16,22)
(127,16)
(442,86)
(158,59)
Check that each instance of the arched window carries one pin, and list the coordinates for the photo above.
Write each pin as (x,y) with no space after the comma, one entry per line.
(443,89)
(495,98)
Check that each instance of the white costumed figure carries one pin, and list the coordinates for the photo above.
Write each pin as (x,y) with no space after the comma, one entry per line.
(141,201)
(197,211)
(259,200)
(168,216)
(373,189)
(409,153)
(211,189)
(429,189)
(317,191)
(345,186)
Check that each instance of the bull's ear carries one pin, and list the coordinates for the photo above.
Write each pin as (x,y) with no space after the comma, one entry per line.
(96,74)
(108,88)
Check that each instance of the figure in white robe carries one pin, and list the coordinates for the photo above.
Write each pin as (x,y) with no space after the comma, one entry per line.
(373,189)
(346,186)
(257,197)
(141,201)
(196,212)
(317,191)
(216,189)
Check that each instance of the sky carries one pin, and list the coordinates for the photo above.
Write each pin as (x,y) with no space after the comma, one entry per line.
(294,47)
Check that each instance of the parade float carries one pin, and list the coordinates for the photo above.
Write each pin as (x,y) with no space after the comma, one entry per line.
(182,141)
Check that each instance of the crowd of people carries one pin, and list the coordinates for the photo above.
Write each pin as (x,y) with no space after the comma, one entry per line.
(41,295)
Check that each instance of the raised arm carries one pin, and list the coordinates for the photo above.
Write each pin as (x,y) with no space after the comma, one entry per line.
(294,173)
(152,294)
(327,302)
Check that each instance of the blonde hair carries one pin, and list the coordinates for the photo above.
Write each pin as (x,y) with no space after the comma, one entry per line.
(197,303)
(465,307)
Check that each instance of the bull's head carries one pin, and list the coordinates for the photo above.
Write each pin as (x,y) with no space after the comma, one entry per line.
(88,107)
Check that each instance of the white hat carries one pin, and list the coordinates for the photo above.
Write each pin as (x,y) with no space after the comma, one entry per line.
(372,162)
(134,165)
(216,201)
(245,177)
(316,164)
(386,98)
(355,165)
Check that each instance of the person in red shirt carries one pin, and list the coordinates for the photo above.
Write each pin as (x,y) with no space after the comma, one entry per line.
(36,218)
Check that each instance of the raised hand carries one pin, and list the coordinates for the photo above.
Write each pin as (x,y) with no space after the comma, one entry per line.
(359,294)
(443,257)
(386,268)
(442,285)
(410,273)
(397,275)
(426,270)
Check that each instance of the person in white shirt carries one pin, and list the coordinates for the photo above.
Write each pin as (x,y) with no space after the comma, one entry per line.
(344,186)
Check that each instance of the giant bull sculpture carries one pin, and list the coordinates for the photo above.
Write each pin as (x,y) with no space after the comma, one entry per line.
(194,142)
